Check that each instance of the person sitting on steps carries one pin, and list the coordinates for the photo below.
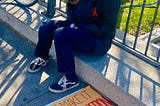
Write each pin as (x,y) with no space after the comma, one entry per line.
(89,28)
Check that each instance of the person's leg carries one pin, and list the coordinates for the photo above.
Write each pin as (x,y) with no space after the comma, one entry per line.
(45,38)
(66,41)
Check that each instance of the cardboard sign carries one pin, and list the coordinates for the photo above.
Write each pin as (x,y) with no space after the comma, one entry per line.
(84,97)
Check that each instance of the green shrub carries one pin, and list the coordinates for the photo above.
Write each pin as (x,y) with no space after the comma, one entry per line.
(147,18)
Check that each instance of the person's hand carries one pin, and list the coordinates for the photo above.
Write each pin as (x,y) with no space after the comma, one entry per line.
(73,26)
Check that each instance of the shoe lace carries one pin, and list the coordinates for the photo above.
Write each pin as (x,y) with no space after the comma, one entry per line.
(39,61)
(63,82)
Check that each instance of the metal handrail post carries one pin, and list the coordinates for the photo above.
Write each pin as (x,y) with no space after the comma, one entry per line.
(50,8)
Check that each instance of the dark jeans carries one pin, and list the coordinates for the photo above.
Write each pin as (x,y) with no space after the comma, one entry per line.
(66,40)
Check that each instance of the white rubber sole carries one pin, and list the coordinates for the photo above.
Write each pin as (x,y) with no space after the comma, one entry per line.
(60,91)
(33,71)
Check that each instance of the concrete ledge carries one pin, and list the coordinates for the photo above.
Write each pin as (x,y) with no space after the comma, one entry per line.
(87,73)
(104,86)
(21,28)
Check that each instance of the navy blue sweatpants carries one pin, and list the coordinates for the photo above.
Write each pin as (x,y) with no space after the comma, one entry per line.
(67,40)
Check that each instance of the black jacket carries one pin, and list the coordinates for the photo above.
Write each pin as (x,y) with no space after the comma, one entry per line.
(97,16)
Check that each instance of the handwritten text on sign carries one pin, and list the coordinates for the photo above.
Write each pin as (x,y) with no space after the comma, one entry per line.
(85,97)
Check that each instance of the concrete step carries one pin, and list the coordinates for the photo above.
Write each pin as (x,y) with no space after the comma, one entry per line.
(118,75)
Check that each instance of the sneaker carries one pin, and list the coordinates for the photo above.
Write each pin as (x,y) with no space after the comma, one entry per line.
(63,85)
(37,64)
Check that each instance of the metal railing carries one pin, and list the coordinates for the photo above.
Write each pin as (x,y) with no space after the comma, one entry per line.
(141,52)
(145,53)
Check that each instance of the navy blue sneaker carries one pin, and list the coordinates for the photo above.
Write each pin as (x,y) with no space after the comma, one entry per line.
(37,64)
(63,85)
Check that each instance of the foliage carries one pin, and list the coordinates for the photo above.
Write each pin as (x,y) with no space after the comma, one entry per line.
(147,17)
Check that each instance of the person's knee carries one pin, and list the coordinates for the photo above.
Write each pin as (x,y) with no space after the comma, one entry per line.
(47,26)
(59,33)
(64,34)
(46,30)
